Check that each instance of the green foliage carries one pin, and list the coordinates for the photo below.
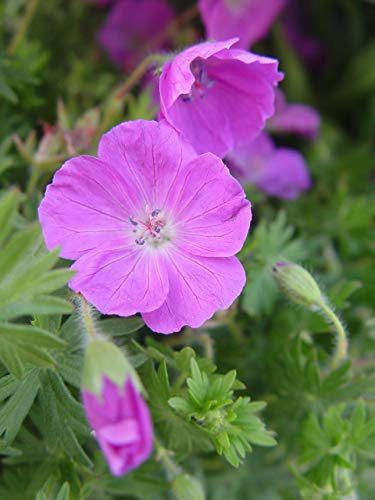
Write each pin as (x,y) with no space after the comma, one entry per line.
(54,76)
(26,285)
(271,242)
(230,423)
(331,448)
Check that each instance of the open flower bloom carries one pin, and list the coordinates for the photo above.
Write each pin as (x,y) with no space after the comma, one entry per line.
(133,28)
(218,97)
(280,172)
(294,118)
(122,424)
(250,20)
(152,226)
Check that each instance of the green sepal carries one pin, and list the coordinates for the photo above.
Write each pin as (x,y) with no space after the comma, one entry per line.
(104,359)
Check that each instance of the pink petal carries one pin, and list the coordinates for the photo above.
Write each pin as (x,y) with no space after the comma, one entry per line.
(148,155)
(142,413)
(177,78)
(104,409)
(285,174)
(296,119)
(211,212)
(121,433)
(122,280)
(86,205)
(199,287)
(250,20)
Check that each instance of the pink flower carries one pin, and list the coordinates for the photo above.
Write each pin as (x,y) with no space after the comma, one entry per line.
(250,20)
(122,424)
(218,97)
(152,226)
(280,172)
(294,118)
(131,29)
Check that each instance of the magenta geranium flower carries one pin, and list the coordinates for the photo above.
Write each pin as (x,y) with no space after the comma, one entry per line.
(218,97)
(152,226)
(294,118)
(280,172)
(122,424)
(132,29)
(249,20)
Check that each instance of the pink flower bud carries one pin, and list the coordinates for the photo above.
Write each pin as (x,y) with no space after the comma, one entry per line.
(116,410)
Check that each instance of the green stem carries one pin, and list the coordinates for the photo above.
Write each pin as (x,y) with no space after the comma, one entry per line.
(87,318)
(23,26)
(164,456)
(33,180)
(120,92)
(342,342)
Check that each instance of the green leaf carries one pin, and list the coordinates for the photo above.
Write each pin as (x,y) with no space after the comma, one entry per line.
(63,418)
(8,205)
(116,327)
(16,408)
(270,243)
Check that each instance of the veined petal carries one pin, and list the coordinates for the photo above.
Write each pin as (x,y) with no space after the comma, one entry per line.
(121,280)
(198,288)
(87,204)
(148,155)
(212,215)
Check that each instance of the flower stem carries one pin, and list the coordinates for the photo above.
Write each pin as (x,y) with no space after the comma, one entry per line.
(163,455)
(87,318)
(24,24)
(120,92)
(342,342)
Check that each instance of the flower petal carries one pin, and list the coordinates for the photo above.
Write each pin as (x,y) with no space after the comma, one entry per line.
(199,286)
(86,205)
(148,155)
(285,174)
(211,212)
(121,279)
(250,20)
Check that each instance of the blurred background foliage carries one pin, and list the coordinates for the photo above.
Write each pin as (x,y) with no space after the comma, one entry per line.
(53,72)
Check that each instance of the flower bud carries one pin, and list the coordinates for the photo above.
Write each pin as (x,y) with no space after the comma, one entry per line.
(115,408)
(186,487)
(297,284)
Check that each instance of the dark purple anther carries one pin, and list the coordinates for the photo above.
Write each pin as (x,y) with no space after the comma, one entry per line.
(132,221)
(140,241)
(155,212)
(186,97)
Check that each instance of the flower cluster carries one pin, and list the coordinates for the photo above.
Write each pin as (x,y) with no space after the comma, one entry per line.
(154,221)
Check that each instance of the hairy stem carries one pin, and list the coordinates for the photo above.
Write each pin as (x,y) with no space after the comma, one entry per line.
(87,318)
(163,455)
(342,342)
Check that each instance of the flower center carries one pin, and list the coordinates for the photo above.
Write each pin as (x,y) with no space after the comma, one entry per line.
(151,229)
(202,82)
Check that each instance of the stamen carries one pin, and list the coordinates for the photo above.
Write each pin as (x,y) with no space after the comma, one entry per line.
(202,81)
(151,228)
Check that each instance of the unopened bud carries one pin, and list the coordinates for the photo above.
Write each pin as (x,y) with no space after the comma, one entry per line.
(186,487)
(104,359)
(115,408)
(297,284)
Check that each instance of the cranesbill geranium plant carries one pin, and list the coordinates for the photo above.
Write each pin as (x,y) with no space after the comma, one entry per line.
(217,96)
(153,227)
